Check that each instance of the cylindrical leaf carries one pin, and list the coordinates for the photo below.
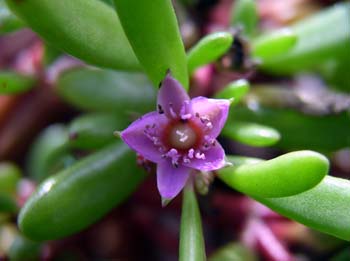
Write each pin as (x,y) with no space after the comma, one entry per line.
(12,83)
(252,134)
(298,130)
(208,49)
(192,246)
(233,252)
(51,144)
(104,90)
(10,174)
(321,38)
(8,21)
(152,30)
(24,249)
(325,208)
(236,90)
(270,45)
(245,14)
(81,194)
(87,29)
(286,175)
(95,130)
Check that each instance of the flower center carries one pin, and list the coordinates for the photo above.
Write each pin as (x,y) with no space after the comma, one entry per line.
(182,136)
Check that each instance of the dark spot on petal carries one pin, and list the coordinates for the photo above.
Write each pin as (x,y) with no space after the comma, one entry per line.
(160,109)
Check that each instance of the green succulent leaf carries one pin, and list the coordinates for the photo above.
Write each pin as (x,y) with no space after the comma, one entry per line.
(24,249)
(286,175)
(8,21)
(107,91)
(153,32)
(325,207)
(87,29)
(236,90)
(233,252)
(245,14)
(298,130)
(81,194)
(10,174)
(192,246)
(322,38)
(8,203)
(208,49)
(14,83)
(273,44)
(252,134)
(95,130)
(49,146)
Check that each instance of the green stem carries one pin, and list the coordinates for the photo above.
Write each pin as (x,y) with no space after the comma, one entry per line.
(192,246)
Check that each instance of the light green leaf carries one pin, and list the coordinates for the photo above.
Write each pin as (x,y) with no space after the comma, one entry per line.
(208,49)
(107,91)
(78,196)
(252,134)
(236,90)
(153,32)
(87,29)
(286,175)
(325,207)
(14,83)
(273,44)
(245,14)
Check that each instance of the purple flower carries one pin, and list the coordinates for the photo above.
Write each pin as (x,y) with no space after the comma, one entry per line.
(180,136)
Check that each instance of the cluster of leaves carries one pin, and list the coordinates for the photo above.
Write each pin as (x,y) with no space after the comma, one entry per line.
(142,37)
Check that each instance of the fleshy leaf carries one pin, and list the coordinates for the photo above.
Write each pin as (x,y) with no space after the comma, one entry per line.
(252,134)
(13,83)
(10,174)
(233,252)
(50,145)
(192,246)
(236,90)
(245,14)
(273,44)
(208,49)
(152,30)
(286,175)
(95,130)
(325,207)
(322,37)
(8,21)
(87,29)
(107,91)
(24,249)
(298,130)
(81,194)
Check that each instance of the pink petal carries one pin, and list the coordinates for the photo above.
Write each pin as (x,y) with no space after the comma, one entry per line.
(171,96)
(171,180)
(216,110)
(214,159)
(137,140)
